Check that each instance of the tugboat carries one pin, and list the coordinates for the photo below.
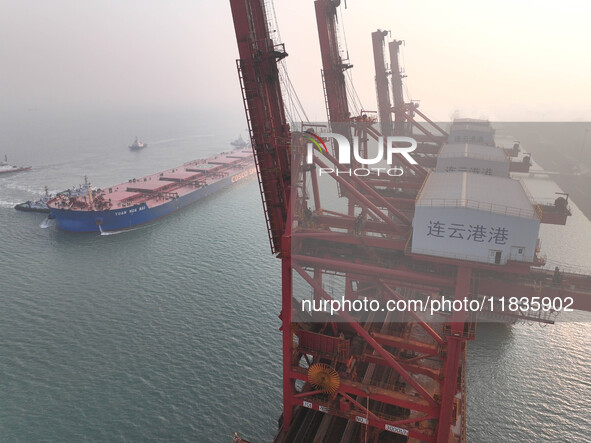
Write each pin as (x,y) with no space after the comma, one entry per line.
(137,145)
(239,142)
(5,168)
(237,439)
(36,206)
(41,204)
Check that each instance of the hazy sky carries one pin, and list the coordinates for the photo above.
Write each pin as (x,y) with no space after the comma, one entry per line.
(505,60)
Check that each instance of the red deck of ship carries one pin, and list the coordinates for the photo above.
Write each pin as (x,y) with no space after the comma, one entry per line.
(156,189)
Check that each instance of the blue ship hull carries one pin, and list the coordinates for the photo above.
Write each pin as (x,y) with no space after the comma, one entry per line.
(123,218)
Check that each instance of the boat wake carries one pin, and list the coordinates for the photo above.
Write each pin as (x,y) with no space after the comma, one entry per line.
(20,187)
(7,204)
(168,140)
(116,232)
(46,223)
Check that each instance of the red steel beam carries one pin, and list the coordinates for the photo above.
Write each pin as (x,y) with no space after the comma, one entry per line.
(315,189)
(404,343)
(348,222)
(332,65)
(360,406)
(454,353)
(431,122)
(361,197)
(415,369)
(397,93)
(418,319)
(382,88)
(424,130)
(420,357)
(381,423)
(386,396)
(339,237)
(287,335)
(401,275)
(269,131)
(308,393)
(411,420)
(371,341)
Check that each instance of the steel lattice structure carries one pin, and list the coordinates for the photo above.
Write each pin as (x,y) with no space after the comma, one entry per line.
(368,374)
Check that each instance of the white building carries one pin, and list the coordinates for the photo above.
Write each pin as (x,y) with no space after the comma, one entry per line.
(478,159)
(472,131)
(475,217)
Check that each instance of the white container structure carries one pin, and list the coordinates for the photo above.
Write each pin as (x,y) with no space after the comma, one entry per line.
(478,159)
(472,131)
(475,217)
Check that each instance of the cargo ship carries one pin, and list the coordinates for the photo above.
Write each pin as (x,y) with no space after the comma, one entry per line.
(144,199)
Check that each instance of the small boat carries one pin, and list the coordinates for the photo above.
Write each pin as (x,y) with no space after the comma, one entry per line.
(5,168)
(237,439)
(137,145)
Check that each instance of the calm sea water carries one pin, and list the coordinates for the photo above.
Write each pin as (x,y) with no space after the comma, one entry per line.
(170,331)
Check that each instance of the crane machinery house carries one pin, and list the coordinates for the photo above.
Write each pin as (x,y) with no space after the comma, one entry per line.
(472,131)
(467,157)
(475,217)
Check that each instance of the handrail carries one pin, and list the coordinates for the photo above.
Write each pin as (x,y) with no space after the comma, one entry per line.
(484,206)
(531,199)
(478,156)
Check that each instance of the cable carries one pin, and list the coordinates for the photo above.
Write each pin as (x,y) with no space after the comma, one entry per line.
(352,92)
(355,96)
(294,109)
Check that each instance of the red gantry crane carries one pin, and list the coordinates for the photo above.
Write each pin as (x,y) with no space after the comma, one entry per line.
(270,139)
(404,113)
(374,375)
(333,65)
(382,89)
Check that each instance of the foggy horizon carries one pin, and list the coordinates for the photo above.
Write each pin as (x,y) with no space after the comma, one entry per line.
(513,62)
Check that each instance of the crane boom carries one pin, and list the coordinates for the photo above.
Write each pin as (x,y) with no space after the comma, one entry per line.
(382,89)
(261,92)
(271,143)
(333,67)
